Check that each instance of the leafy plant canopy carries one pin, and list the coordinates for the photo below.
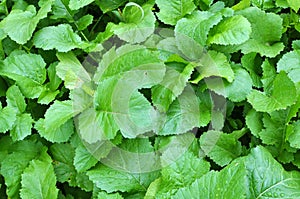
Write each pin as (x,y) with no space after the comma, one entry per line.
(149,99)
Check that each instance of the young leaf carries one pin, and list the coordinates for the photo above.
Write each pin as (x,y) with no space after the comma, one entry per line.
(61,37)
(222,148)
(230,31)
(85,21)
(290,63)
(77,4)
(283,95)
(38,180)
(20,25)
(173,10)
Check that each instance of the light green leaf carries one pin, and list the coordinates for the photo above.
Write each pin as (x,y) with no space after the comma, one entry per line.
(105,195)
(214,64)
(77,4)
(237,90)
(173,10)
(108,5)
(198,25)
(230,31)
(15,99)
(7,118)
(293,138)
(83,159)
(20,25)
(294,4)
(133,13)
(290,63)
(28,70)
(85,21)
(229,182)
(252,62)
(266,40)
(184,114)
(254,122)
(171,87)
(133,32)
(38,180)
(61,37)
(260,166)
(71,71)
(22,127)
(283,95)
(222,148)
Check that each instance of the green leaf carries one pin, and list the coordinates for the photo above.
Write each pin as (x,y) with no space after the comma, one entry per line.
(214,64)
(7,118)
(222,148)
(133,13)
(266,40)
(252,62)
(15,99)
(290,63)
(22,127)
(77,4)
(105,195)
(61,37)
(230,31)
(237,90)
(58,124)
(283,95)
(38,180)
(294,4)
(108,5)
(254,122)
(171,87)
(85,21)
(293,138)
(260,166)
(198,25)
(28,70)
(71,71)
(229,182)
(83,159)
(134,32)
(20,25)
(173,10)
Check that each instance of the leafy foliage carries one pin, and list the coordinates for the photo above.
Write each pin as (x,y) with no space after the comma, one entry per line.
(149,99)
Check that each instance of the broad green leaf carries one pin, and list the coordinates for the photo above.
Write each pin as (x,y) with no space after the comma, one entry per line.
(83,159)
(171,87)
(268,179)
(20,25)
(181,173)
(14,164)
(7,118)
(77,4)
(214,64)
(230,31)
(290,63)
(108,5)
(38,180)
(269,74)
(111,180)
(283,95)
(60,10)
(294,4)
(184,114)
(254,122)
(197,25)
(61,37)
(22,127)
(293,138)
(28,70)
(229,182)
(252,62)
(222,148)
(237,90)
(105,195)
(266,40)
(15,99)
(85,21)
(134,32)
(173,10)
(71,71)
